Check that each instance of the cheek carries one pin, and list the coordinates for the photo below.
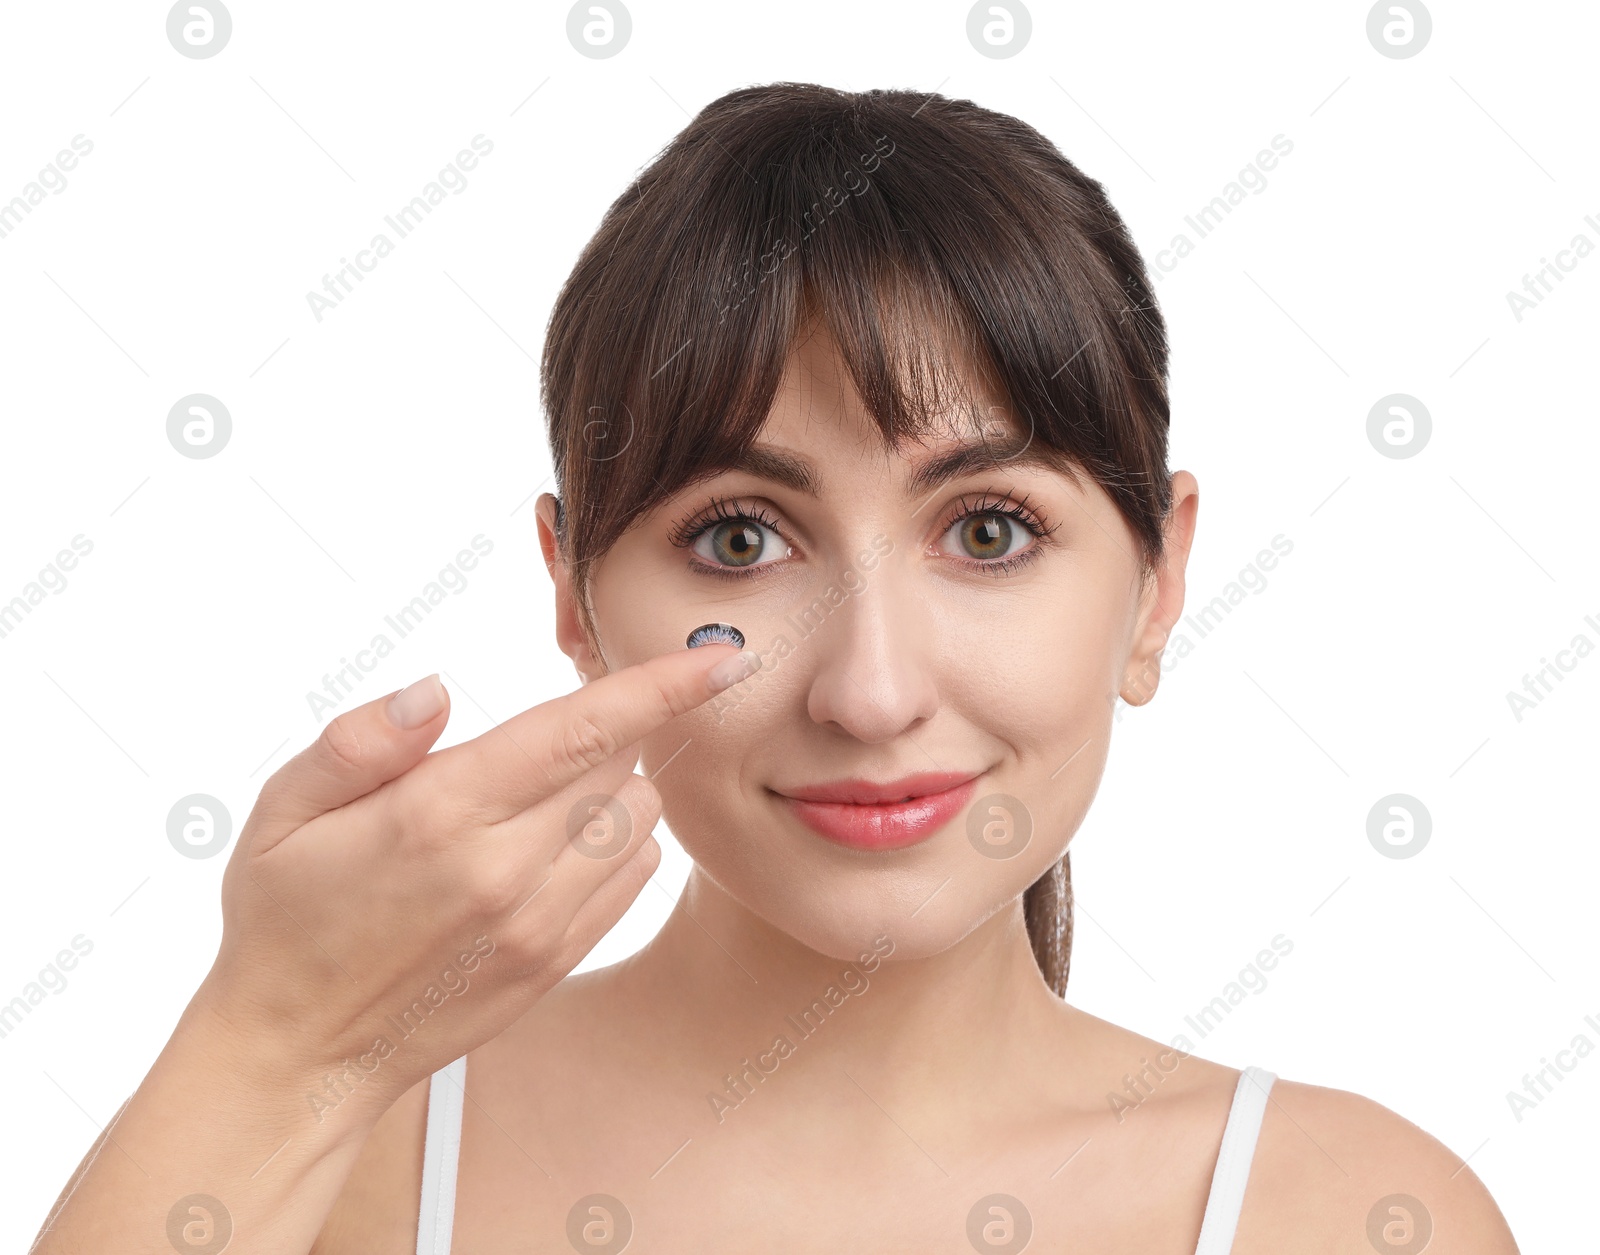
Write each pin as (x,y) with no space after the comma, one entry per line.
(709,764)
(719,736)
(1039,685)
(1036,671)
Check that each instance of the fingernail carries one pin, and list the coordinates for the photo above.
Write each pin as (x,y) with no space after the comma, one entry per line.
(417,703)
(731,670)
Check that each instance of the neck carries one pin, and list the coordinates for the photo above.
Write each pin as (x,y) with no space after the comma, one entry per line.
(728,994)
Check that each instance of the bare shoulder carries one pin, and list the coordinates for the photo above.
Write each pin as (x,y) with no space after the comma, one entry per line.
(376,1211)
(1338,1173)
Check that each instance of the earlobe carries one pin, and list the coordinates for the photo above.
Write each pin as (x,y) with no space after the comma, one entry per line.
(1143,675)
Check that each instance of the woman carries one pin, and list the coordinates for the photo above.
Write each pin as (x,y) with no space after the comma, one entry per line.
(878,380)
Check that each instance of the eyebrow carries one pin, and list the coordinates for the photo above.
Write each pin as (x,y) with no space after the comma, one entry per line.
(796,471)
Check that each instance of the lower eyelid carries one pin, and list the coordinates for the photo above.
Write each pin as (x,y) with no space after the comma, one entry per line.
(1009,563)
(727,572)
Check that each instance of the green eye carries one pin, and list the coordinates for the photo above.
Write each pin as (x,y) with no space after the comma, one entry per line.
(993,534)
(735,543)
(987,535)
(731,538)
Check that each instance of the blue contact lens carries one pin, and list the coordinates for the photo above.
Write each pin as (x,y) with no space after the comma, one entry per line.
(710,633)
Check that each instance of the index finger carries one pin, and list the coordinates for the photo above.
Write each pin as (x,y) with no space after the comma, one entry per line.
(539,752)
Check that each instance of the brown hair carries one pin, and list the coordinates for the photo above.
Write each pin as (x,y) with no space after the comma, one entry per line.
(936,240)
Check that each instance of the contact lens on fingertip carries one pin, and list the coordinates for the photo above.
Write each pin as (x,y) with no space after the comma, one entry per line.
(711,633)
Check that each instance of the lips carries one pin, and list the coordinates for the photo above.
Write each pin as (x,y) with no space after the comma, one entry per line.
(866,815)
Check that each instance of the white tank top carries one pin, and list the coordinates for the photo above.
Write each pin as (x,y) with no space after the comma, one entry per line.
(441,1151)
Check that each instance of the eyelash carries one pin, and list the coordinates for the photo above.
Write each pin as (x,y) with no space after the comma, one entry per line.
(685,533)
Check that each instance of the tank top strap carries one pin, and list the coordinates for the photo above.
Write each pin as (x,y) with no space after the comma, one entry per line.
(1232,1171)
(441,1153)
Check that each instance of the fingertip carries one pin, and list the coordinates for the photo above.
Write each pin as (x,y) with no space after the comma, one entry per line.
(731,670)
(418,703)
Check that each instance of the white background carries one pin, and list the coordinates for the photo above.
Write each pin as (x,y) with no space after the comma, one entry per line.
(369,448)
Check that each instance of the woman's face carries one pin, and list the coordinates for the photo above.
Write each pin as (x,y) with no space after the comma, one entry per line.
(916,632)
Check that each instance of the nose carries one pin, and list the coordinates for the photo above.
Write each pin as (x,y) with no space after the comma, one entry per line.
(874,678)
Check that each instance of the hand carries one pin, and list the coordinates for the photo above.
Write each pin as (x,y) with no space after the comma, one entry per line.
(386,909)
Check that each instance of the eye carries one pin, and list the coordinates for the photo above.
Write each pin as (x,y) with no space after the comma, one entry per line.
(989,535)
(730,540)
(738,543)
(993,535)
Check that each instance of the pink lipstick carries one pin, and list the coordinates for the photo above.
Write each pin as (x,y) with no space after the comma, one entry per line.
(867,815)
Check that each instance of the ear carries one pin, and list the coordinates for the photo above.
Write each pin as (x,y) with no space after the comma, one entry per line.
(569,632)
(1162,601)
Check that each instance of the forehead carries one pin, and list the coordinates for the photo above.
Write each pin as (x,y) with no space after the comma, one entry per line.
(821,437)
(955,393)
(956,400)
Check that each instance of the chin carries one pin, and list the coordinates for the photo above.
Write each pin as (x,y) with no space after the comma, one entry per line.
(842,910)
